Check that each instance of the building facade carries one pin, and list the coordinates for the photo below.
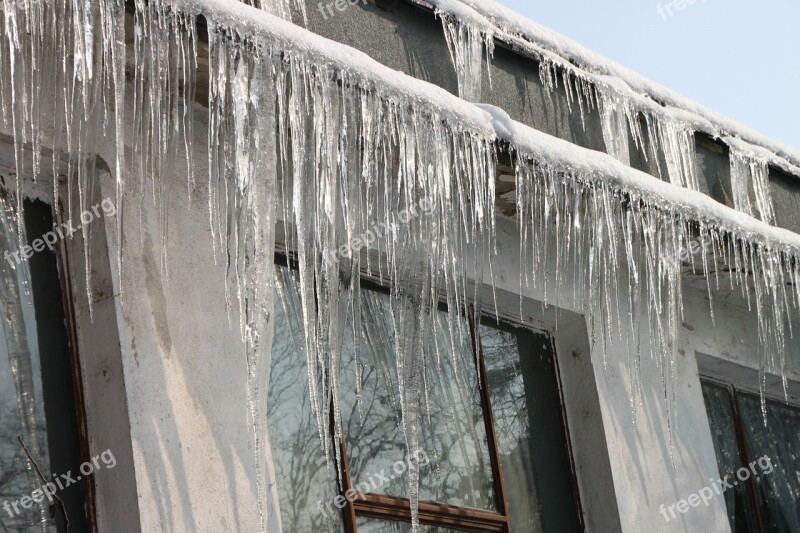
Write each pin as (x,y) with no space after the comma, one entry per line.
(383,265)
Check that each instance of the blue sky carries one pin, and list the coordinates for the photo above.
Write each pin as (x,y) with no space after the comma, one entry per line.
(738,57)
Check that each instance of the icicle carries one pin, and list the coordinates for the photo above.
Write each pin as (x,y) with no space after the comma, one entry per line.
(79,48)
(615,128)
(466,45)
(584,200)
(662,136)
(280,8)
(677,143)
(750,179)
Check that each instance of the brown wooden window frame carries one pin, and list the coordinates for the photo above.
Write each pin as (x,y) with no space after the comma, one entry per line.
(398,509)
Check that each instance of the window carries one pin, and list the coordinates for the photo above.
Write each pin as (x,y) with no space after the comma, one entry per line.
(38,384)
(769,500)
(493,436)
(303,478)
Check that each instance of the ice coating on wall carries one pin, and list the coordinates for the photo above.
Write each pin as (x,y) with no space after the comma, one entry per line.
(336,150)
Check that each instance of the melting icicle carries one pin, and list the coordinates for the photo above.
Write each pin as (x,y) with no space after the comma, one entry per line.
(466,45)
(677,143)
(615,128)
(750,179)
(579,90)
(654,132)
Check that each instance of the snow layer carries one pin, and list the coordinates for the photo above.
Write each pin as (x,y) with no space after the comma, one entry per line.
(493,18)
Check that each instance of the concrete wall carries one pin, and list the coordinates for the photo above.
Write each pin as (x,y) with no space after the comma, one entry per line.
(184,367)
(164,372)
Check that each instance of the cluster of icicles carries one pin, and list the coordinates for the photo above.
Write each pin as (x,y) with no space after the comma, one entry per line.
(656,134)
(349,152)
(467,45)
(280,8)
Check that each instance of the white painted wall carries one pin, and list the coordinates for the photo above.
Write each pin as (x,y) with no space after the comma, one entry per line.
(185,373)
(643,476)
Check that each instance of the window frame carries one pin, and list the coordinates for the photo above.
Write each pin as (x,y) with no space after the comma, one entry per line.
(79,396)
(745,454)
(398,509)
(66,299)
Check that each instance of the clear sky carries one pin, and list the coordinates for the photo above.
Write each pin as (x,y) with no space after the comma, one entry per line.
(738,57)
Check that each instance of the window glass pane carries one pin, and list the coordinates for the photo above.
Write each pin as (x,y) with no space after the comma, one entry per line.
(779,490)
(21,395)
(723,432)
(453,434)
(306,488)
(374,525)
(526,405)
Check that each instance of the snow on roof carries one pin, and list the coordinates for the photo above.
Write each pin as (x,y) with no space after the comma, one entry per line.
(482,120)
(523,33)
(563,154)
(256,23)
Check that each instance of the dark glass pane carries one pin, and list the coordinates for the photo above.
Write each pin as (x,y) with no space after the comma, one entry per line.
(306,487)
(452,433)
(37,400)
(526,405)
(21,410)
(719,407)
(779,490)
